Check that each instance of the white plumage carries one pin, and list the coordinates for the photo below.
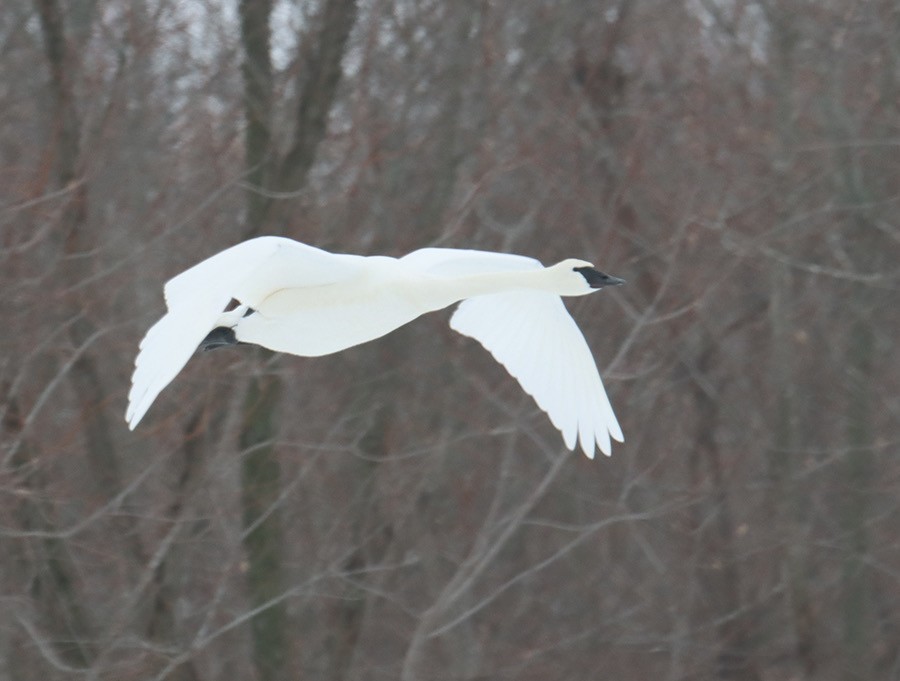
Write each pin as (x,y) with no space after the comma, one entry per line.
(305,301)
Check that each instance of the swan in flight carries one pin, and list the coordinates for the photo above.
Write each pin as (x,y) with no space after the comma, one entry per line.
(291,297)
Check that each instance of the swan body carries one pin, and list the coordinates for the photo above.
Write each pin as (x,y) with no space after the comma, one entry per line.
(299,299)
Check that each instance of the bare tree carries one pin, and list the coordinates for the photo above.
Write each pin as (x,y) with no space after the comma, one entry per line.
(267,172)
(401,509)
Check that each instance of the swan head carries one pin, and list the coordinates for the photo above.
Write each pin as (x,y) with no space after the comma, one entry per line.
(579,277)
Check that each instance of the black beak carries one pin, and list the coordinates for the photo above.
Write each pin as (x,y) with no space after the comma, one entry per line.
(597,279)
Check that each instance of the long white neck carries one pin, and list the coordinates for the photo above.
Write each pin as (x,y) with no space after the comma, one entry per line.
(438,293)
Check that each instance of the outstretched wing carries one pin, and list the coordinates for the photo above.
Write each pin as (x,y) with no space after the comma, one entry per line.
(534,337)
(247,272)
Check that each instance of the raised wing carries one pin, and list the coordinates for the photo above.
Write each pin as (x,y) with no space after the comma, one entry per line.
(534,337)
(196,298)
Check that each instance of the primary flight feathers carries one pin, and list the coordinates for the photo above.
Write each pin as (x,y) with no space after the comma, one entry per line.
(303,300)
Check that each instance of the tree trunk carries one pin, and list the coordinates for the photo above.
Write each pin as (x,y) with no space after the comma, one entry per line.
(863,252)
(789,501)
(858,476)
(717,569)
(257,72)
(57,586)
(260,470)
(75,241)
(263,534)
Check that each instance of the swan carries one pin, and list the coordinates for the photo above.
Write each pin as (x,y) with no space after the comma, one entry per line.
(291,297)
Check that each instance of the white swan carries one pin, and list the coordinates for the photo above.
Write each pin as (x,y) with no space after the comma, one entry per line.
(299,299)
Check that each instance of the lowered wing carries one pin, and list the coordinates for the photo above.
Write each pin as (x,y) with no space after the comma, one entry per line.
(532,334)
(534,337)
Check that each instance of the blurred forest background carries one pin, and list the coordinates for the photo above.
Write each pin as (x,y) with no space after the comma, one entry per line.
(402,509)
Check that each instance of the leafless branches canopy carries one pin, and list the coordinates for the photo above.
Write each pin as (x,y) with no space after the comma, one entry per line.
(401,510)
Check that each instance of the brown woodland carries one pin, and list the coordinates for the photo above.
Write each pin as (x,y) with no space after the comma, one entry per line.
(402,510)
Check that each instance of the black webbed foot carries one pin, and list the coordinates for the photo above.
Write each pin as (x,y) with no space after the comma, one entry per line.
(219,337)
